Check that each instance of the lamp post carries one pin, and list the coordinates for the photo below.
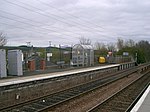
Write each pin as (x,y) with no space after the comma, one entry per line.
(136,57)
(59,52)
(71,54)
(49,44)
(49,50)
(48,53)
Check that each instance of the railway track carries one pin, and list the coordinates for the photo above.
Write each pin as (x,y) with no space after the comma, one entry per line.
(52,100)
(124,100)
(44,103)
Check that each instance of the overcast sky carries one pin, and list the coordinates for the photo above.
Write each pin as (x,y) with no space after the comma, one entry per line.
(65,21)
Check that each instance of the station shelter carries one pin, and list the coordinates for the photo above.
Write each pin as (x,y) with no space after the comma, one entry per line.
(82,55)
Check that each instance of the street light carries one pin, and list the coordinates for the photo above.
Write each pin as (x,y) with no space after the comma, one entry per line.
(49,54)
(136,57)
(49,43)
(28,44)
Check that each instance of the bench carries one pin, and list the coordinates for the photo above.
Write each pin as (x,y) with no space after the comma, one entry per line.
(61,64)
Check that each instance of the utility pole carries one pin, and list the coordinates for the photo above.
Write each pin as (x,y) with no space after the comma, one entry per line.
(28,44)
(71,54)
(49,43)
(60,52)
(30,48)
(136,57)
(49,52)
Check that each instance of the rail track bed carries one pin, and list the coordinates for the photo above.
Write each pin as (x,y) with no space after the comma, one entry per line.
(55,100)
(51,101)
(122,100)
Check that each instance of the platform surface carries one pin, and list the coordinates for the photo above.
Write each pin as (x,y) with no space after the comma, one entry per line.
(143,105)
(18,80)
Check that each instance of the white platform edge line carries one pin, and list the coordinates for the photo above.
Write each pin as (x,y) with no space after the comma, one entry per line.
(139,103)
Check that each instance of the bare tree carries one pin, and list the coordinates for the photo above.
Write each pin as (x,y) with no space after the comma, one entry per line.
(120,43)
(3,39)
(130,43)
(101,48)
(85,41)
(111,47)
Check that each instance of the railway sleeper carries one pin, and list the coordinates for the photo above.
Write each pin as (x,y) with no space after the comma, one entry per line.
(124,99)
(118,109)
(104,110)
(65,96)
(123,102)
(59,98)
(48,103)
(45,103)
(31,107)
(68,95)
(36,106)
(110,109)
(116,104)
(27,109)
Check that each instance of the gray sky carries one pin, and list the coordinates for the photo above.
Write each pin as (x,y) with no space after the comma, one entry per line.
(65,21)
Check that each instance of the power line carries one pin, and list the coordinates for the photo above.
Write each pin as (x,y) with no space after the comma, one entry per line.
(69,14)
(38,13)
(20,27)
(36,21)
(83,25)
(83,20)
(54,16)
(31,30)
(31,24)
(74,17)
(37,26)
(14,26)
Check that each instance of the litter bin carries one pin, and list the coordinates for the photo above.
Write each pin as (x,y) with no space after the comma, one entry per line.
(42,65)
(31,65)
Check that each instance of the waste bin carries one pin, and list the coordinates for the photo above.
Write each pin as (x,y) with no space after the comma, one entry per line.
(42,65)
(31,65)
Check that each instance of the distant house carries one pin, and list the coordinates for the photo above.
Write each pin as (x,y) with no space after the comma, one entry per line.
(82,55)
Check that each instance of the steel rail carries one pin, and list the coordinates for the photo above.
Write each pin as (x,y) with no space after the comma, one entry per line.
(137,99)
(96,107)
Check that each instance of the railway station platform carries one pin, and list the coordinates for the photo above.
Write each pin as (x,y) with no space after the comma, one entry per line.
(143,105)
(22,89)
(26,88)
(18,80)
(52,74)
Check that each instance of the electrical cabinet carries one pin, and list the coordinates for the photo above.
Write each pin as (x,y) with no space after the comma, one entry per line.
(15,62)
(3,72)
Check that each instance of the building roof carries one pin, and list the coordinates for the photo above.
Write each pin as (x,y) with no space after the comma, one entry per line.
(79,46)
